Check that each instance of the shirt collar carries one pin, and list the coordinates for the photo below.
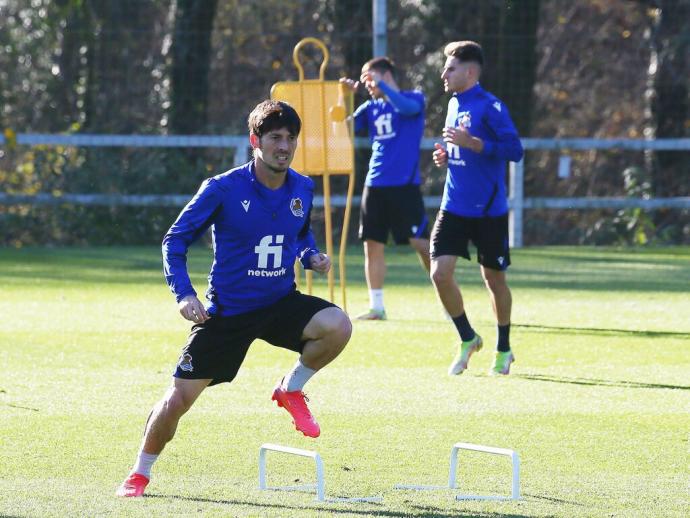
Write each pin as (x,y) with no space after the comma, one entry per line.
(261,187)
(463,96)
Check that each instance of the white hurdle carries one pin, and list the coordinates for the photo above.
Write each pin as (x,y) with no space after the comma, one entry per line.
(452,484)
(320,485)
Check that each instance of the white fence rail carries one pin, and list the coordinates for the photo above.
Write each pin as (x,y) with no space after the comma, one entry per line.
(242,153)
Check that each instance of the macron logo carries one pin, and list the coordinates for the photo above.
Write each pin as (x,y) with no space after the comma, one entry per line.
(266,248)
(245,205)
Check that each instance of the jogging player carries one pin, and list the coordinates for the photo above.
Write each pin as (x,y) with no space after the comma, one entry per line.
(479,138)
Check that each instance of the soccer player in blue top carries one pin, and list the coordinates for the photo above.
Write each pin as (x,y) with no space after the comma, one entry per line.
(391,200)
(480,137)
(259,214)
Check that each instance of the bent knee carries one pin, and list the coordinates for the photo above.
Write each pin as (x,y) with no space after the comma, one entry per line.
(440,275)
(495,281)
(336,325)
(177,403)
(341,326)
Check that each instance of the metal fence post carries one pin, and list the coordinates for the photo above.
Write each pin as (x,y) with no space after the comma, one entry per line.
(380,19)
(517,202)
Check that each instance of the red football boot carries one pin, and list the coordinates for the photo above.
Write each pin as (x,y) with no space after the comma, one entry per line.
(134,485)
(295,403)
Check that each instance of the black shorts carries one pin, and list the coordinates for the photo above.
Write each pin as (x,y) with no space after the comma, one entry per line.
(452,234)
(398,209)
(216,348)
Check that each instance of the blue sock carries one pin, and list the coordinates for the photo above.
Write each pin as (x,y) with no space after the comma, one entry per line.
(464,328)
(503,342)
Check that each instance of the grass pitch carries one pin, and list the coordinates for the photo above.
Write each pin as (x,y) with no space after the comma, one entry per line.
(597,405)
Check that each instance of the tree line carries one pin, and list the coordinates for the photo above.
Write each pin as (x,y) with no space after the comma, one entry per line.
(581,68)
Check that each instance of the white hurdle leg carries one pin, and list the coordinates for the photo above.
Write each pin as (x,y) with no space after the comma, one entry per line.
(515,461)
(320,483)
(452,472)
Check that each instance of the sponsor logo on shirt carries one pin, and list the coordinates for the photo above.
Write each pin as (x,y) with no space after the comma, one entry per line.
(384,126)
(454,155)
(269,247)
(296,207)
(464,119)
(267,273)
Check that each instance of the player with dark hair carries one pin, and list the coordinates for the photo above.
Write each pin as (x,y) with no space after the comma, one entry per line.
(391,201)
(480,137)
(259,214)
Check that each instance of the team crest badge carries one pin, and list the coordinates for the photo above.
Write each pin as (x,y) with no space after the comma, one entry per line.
(465,119)
(186,362)
(296,207)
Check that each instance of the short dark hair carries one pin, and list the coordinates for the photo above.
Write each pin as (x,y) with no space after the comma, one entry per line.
(382,64)
(465,51)
(270,115)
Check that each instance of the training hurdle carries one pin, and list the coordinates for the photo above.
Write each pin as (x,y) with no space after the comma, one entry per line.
(452,484)
(319,486)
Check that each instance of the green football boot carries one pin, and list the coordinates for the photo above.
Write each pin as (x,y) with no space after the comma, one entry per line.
(465,351)
(502,363)
(373,314)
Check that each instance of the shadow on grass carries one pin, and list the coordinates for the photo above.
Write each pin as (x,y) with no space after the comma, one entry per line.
(424,511)
(601,383)
(11,405)
(604,331)
(554,500)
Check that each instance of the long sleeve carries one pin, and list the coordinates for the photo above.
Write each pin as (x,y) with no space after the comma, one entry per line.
(506,143)
(306,244)
(193,221)
(360,117)
(402,104)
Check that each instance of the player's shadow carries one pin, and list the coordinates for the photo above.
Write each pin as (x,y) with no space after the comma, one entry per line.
(426,511)
(603,331)
(599,382)
(554,500)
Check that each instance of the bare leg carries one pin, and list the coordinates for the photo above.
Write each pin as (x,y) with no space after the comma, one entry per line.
(162,422)
(327,333)
(421,246)
(443,277)
(501,298)
(374,264)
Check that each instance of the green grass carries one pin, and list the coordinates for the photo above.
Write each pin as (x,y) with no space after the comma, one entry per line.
(597,405)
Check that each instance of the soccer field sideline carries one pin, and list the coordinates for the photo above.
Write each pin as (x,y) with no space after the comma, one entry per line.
(597,405)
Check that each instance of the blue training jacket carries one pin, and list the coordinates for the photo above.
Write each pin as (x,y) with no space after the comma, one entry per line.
(395,126)
(475,182)
(257,234)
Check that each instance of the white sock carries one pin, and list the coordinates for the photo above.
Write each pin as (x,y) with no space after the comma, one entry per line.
(376,299)
(298,377)
(144,463)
